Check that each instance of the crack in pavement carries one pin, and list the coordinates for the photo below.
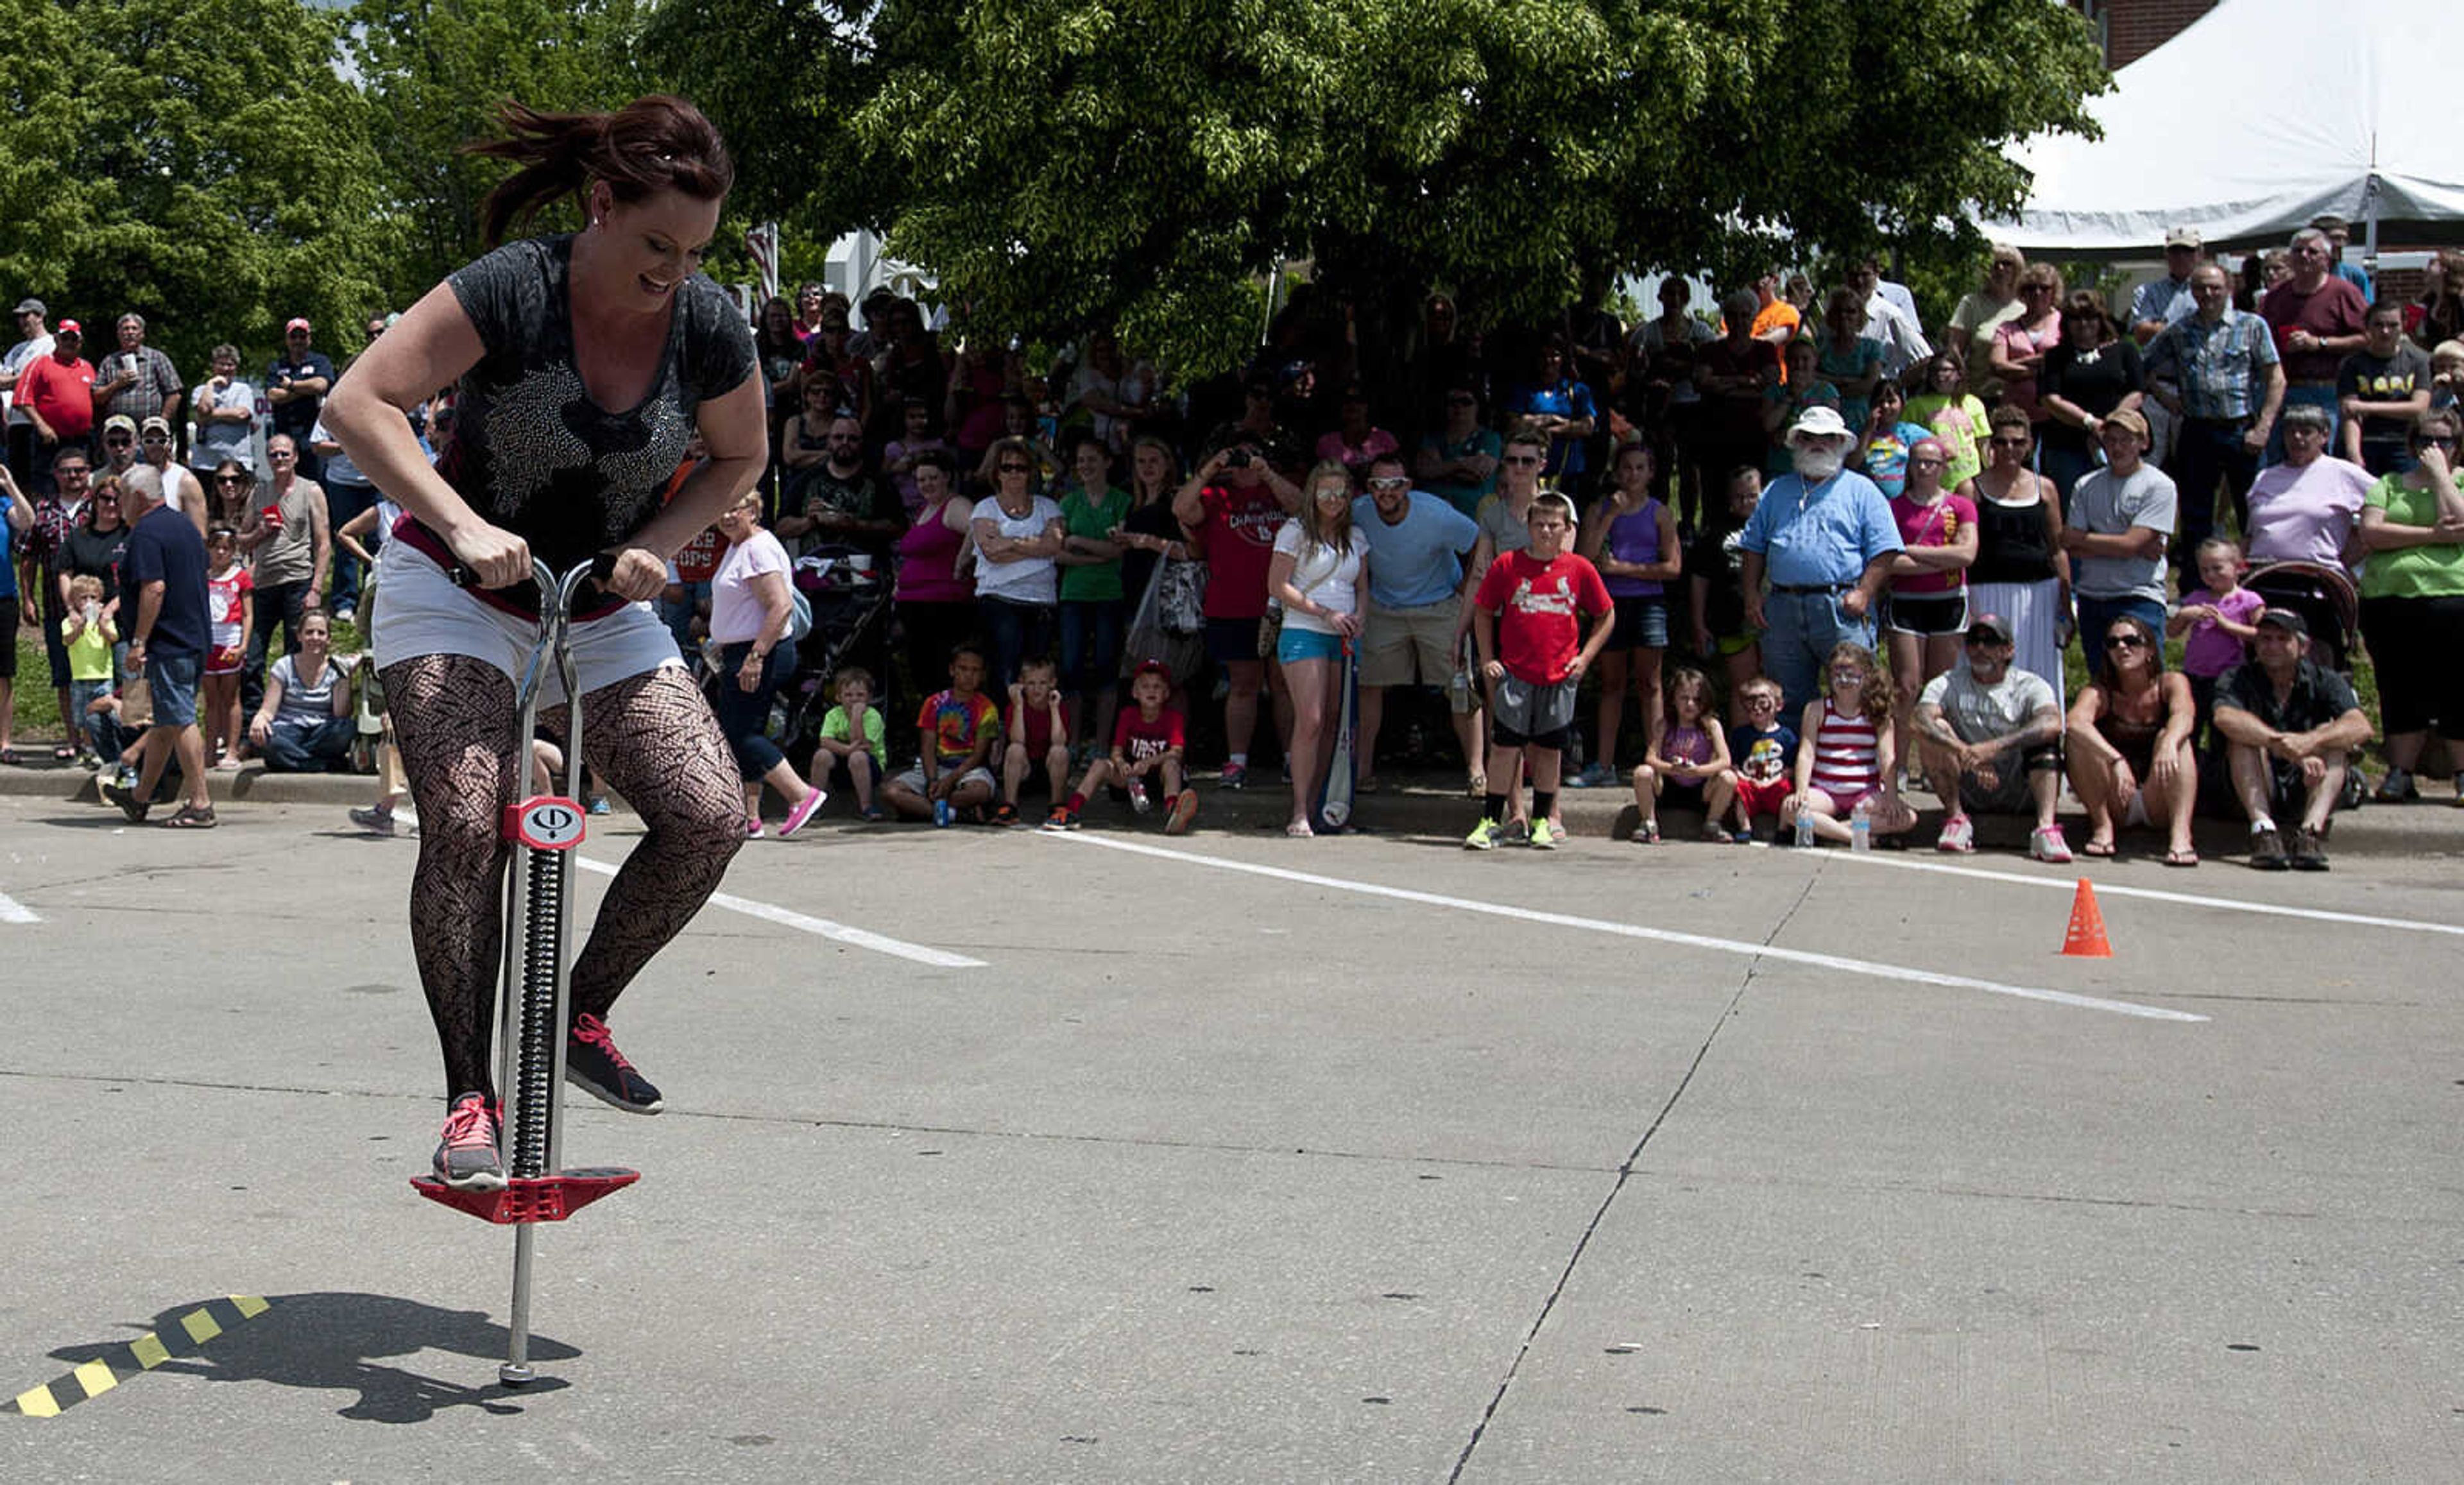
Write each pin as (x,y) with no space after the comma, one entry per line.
(1625,1174)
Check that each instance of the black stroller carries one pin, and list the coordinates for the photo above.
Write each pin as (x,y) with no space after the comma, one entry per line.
(2325,599)
(849,598)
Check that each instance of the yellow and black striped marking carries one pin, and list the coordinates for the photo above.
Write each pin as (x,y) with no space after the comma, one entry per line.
(94,1378)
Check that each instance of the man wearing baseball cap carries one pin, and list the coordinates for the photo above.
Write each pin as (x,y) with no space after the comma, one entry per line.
(296,384)
(2121,518)
(34,341)
(2287,726)
(1825,536)
(1989,740)
(57,392)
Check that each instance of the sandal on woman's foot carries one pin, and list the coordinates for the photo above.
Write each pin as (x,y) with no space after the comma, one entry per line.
(2181,858)
(63,754)
(1299,829)
(1480,788)
(192,818)
(2097,848)
(8,757)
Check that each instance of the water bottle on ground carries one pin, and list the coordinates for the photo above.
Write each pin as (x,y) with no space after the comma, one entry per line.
(1860,826)
(1805,826)
(1138,800)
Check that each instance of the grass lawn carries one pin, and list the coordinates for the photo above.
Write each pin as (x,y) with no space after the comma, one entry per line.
(38,706)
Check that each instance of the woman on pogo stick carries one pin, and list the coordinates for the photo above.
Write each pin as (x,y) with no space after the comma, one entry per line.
(583,363)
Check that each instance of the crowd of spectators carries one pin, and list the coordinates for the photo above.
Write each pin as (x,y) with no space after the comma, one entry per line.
(1869,542)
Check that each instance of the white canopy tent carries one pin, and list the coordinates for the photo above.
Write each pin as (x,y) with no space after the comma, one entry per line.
(2220,129)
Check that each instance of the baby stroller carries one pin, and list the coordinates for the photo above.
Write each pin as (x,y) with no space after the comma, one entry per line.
(851,603)
(2325,599)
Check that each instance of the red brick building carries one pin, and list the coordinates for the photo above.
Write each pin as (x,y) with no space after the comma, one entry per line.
(2131,29)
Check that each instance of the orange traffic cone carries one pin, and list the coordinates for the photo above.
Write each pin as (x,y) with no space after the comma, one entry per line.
(2086,938)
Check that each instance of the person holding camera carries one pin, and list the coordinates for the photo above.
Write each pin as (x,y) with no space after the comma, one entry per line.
(1235,503)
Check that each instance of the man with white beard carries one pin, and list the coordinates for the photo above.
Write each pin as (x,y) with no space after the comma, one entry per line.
(1824,535)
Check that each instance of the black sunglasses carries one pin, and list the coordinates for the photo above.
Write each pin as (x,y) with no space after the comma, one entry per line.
(2124,641)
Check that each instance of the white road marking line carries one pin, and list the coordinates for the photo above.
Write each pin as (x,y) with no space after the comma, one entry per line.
(1898,973)
(2069,883)
(13,911)
(841,933)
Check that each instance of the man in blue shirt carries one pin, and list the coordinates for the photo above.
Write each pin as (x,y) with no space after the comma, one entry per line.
(1416,544)
(1825,538)
(2218,372)
(295,384)
(164,566)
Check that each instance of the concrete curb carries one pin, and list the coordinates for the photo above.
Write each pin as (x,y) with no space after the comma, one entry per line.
(1430,804)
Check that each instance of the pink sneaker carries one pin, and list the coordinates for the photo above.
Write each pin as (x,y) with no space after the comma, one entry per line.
(803,812)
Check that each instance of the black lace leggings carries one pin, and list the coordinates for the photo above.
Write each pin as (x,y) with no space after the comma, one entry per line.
(651,737)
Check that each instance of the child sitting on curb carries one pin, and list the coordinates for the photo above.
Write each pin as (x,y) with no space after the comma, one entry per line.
(854,737)
(1146,739)
(1035,732)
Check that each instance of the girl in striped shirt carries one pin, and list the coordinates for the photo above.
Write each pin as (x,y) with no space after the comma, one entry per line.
(1846,756)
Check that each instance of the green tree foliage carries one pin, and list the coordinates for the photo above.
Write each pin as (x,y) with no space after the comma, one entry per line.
(197,160)
(1145,161)
(435,73)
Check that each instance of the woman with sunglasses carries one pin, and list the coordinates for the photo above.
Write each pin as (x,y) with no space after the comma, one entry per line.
(2021,571)
(2129,755)
(2412,602)
(229,491)
(1017,534)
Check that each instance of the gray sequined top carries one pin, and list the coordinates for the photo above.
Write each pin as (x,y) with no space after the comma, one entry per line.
(529,451)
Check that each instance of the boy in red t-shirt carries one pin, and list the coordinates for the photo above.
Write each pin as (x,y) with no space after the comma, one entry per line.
(1527,621)
(1146,738)
(1035,732)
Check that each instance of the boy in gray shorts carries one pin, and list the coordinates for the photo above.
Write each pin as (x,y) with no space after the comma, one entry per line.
(1526,622)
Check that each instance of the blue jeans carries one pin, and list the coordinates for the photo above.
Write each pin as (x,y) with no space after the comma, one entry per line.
(743,715)
(1017,633)
(310,746)
(1799,632)
(102,732)
(172,684)
(679,615)
(342,502)
(1090,644)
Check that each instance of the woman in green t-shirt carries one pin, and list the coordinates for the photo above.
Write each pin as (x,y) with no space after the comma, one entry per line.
(1090,588)
(2412,603)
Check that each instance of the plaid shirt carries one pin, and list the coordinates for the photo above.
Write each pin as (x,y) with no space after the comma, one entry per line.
(2221,368)
(157,383)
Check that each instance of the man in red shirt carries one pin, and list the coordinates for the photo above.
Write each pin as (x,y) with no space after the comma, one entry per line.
(2318,319)
(57,392)
(1233,506)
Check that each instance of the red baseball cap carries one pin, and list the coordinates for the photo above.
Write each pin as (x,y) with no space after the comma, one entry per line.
(296,323)
(69,328)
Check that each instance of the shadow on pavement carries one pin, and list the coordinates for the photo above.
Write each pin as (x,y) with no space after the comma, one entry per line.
(334,1341)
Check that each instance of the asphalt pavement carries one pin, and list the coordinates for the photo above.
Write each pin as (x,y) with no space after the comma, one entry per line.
(1008,1156)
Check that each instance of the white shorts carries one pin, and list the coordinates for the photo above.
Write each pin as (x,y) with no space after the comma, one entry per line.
(425,614)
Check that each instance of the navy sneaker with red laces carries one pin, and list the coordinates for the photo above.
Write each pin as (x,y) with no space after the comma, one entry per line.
(593,1064)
